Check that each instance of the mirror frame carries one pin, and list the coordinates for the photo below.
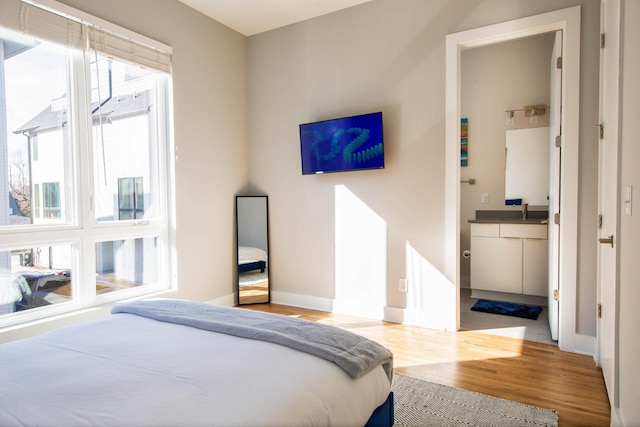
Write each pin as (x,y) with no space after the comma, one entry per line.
(266,237)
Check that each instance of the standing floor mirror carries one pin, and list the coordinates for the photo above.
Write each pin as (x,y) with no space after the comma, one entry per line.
(252,237)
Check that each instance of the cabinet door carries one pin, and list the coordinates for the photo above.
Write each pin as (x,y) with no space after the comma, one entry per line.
(535,265)
(485,230)
(496,264)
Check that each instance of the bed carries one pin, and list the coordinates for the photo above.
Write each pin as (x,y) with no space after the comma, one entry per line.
(250,259)
(178,363)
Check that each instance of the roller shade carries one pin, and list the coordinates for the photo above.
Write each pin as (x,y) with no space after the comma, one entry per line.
(40,23)
(65,29)
(116,46)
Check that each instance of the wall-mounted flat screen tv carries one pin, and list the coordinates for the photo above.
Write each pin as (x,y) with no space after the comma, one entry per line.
(344,144)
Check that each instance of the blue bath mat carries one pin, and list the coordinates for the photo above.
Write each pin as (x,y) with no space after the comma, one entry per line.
(507,309)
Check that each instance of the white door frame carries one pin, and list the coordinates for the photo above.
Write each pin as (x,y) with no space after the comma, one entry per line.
(553,231)
(609,200)
(567,21)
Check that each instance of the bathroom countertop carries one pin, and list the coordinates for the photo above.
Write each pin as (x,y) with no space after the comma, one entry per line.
(511,216)
(508,221)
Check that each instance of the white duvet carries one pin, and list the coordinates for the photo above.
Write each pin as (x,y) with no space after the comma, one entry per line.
(249,254)
(126,370)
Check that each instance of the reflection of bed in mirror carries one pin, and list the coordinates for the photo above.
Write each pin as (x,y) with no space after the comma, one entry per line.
(253,279)
(251,259)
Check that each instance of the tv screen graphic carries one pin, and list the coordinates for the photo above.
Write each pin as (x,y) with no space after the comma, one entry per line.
(344,144)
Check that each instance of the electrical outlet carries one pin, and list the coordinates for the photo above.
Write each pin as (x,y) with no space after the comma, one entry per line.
(402,285)
(485,198)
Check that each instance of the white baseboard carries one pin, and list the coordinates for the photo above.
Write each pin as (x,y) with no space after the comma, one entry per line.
(413,317)
(394,314)
(579,344)
(359,309)
(283,298)
(227,300)
(390,314)
(616,419)
(302,301)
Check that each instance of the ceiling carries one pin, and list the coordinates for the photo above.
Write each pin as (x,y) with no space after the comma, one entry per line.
(251,17)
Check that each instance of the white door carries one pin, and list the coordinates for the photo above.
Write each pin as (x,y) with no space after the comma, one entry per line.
(608,202)
(554,185)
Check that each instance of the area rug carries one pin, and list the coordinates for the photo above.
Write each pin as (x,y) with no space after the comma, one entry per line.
(420,404)
(507,309)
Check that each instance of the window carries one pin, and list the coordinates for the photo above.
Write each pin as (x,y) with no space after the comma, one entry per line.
(128,263)
(86,132)
(130,198)
(125,142)
(51,205)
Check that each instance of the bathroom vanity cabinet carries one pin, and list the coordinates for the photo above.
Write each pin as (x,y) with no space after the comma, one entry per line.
(510,257)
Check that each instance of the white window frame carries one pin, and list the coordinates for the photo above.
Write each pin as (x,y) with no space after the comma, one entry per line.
(83,231)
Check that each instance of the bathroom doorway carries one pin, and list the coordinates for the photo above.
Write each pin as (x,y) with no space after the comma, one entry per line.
(567,21)
(498,82)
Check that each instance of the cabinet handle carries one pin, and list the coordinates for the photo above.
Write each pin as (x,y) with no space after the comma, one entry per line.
(607,240)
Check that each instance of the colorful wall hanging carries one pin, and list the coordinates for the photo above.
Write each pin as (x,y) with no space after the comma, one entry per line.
(464,127)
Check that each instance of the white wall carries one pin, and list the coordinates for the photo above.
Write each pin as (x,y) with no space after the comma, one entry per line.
(390,56)
(211,132)
(629,315)
(496,78)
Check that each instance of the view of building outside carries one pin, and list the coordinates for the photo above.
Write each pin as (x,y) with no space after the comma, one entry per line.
(38,169)
(34,77)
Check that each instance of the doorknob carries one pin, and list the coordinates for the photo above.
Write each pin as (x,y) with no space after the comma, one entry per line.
(607,240)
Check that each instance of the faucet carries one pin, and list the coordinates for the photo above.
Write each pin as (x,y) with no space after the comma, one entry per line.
(525,211)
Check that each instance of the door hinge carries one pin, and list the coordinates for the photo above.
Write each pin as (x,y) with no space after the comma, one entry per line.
(559,62)
(602,41)
(600,221)
(599,311)
(556,218)
(556,295)
(558,141)
(600,127)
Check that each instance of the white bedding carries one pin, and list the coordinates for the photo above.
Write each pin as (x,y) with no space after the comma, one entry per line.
(248,254)
(130,370)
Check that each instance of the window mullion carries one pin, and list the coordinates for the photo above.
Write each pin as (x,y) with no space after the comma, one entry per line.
(81,143)
(165,150)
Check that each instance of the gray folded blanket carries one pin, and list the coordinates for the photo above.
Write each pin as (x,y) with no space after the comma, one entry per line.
(355,354)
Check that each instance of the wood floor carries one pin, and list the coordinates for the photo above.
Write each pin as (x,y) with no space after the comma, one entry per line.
(524,371)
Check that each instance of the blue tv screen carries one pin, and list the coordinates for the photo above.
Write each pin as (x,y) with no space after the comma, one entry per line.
(344,144)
